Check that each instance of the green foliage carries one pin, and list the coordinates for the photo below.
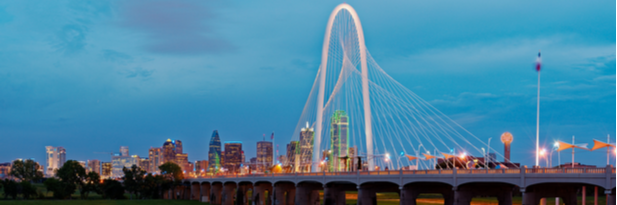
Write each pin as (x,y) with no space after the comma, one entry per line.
(26,170)
(152,186)
(27,189)
(172,171)
(10,188)
(61,190)
(133,180)
(112,189)
(91,184)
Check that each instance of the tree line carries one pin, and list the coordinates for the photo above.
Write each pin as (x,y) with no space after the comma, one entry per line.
(72,178)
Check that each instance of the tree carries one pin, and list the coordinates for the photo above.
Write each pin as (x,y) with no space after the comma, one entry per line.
(173,175)
(112,189)
(60,189)
(72,175)
(10,188)
(133,179)
(152,186)
(91,184)
(27,189)
(26,170)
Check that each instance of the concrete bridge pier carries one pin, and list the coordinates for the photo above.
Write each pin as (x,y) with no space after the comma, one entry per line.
(307,193)
(260,197)
(215,193)
(242,198)
(367,195)
(410,192)
(567,192)
(195,191)
(205,192)
(334,193)
(610,196)
(227,197)
(465,193)
(186,191)
(284,193)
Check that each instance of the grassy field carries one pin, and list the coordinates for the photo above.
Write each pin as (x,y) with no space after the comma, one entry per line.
(99,202)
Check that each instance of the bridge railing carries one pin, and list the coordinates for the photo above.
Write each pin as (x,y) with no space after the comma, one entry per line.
(564,170)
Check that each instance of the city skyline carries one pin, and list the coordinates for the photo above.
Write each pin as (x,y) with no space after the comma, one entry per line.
(578,84)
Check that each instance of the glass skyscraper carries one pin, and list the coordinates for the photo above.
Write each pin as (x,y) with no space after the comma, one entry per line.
(339,140)
(214,154)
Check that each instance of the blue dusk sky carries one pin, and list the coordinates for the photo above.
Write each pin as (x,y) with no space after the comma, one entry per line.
(92,76)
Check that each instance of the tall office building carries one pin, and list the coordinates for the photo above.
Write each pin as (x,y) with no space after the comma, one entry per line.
(178,147)
(233,156)
(118,162)
(264,155)
(339,140)
(144,164)
(156,159)
(182,160)
(56,156)
(94,166)
(124,151)
(306,149)
(5,170)
(106,170)
(214,153)
(292,149)
(169,151)
(201,166)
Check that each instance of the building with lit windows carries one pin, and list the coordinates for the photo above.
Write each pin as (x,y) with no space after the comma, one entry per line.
(144,164)
(201,166)
(56,157)
(292,149)
(305,153)
(5,170)
(106,170)
(339,140)
(118,162)
(214,153)
(178,144)
(169,151)
(156,159)
(124,151)
(94,166)
(182,160)
(264,155)
(233,156)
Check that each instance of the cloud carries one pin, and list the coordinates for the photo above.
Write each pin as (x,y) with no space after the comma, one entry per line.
(174,27)
(115,56)
(71,38)
(139,72)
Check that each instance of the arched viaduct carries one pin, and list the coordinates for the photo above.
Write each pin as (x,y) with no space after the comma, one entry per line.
(456,186)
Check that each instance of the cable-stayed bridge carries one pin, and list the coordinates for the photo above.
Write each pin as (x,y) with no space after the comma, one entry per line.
(355,110)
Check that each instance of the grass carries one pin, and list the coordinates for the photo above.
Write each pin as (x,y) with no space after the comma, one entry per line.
(100,202)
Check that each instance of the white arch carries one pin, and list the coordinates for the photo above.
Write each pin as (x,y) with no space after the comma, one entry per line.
(365,89)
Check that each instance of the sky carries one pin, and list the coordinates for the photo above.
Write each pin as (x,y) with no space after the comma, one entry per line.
(92,76)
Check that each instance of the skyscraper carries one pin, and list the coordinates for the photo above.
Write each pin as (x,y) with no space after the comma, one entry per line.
(118,162)
(339,140)
(178,147)
(156,159)
(106,169)
(124,151)
(264,155)
(306,149)
(233,156)
(292,149)
(182,160)
(144,164)
(56,156)
(169,151)
(214,154)
(201,166)
(94,166)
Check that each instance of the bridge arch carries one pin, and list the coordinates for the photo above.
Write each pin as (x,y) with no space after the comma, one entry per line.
(365,84)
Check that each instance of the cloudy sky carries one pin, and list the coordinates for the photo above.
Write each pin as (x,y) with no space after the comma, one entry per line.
(93,76)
